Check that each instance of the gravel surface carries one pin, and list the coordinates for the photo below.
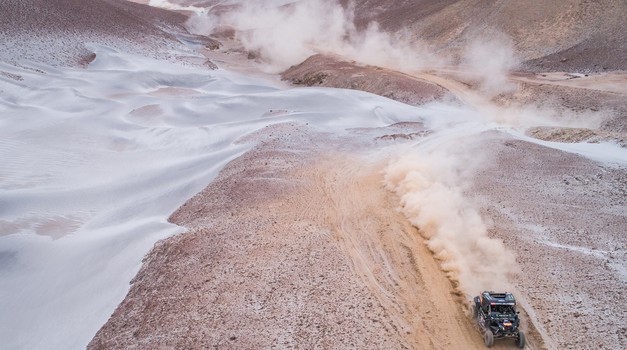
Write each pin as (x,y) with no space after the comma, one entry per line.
(565,216)
(286,249)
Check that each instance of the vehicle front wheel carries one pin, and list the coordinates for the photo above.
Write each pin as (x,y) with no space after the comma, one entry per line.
(488,339)
(520,341)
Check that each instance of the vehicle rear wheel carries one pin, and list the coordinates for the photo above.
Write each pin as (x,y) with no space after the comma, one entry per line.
(488,339)
(520,341)
(475,312)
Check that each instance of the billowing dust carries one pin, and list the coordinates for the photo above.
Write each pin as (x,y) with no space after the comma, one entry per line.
(455,232)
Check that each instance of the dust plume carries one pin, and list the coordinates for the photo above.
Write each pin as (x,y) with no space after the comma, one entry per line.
(283,33)
(202,23)
(432,199)
(489,57)
(286,33)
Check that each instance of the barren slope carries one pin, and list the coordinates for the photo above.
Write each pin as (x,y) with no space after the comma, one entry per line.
(290,249)
(565,215)
(297,244)
(566,35)
(59,32)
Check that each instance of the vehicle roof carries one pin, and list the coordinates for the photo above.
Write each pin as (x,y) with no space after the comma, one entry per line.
(499,298)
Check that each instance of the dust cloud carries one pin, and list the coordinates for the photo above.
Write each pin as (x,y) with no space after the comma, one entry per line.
(428,185)
(490,58)
(286,33)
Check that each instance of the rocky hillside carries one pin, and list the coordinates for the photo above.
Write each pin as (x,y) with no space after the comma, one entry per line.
(59,32)
(564,35)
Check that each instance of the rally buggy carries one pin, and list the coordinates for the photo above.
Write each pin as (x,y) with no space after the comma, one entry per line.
(497,317)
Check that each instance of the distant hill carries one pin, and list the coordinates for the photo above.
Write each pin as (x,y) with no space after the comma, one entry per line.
(570,35)
(56,31)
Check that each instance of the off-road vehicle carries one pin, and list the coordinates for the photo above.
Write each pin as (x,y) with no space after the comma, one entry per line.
(497,317)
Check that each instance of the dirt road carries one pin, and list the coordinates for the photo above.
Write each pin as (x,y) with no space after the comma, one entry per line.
(387,254)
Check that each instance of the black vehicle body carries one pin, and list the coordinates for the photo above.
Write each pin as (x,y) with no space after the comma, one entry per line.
(497,317)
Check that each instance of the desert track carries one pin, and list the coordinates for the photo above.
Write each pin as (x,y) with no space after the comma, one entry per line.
(389,255)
